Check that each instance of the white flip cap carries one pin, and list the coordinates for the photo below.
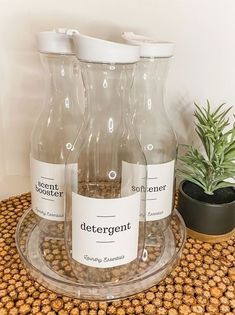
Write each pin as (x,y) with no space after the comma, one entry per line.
(58,41)
(98,50)
(148,46)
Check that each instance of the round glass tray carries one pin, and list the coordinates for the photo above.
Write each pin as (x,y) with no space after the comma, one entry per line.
(46,261)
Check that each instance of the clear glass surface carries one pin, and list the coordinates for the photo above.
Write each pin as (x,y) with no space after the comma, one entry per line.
(151,122)
(56,129)
(105,143)
(47,262)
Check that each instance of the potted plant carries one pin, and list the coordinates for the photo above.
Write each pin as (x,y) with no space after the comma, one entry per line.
(206,196)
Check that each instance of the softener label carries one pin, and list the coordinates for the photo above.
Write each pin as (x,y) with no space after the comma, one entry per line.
(47,186)
(159,190)
(105,231)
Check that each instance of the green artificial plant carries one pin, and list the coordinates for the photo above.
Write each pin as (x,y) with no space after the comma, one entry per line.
(212,168)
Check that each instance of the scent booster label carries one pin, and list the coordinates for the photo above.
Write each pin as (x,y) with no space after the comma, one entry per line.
(105,231)
(47,181)
(159,190)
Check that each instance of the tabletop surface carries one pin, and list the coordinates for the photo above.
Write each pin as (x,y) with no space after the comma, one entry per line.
(202,283)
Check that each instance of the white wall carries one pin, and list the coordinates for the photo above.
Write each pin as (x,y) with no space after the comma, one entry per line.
(203,66)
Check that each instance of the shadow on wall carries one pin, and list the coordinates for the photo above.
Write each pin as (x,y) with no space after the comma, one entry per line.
(181,116)
(182,119)
(2,150)
(2,159)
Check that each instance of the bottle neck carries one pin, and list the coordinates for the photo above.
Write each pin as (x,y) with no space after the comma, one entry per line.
(107,89)
(149,84)
(148,111)
(61,76)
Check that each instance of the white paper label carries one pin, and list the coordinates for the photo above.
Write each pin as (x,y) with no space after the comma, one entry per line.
(47,183)
(160,186)
(105,231)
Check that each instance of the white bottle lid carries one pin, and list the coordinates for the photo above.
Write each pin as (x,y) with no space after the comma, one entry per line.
(98,50)
(58,41)
(148,46)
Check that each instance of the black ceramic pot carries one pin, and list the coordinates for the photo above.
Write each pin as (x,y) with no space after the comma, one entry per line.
(211,215)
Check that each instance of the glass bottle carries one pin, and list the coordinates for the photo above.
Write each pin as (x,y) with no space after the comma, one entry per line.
(56,129)
(104,220)
(154,130)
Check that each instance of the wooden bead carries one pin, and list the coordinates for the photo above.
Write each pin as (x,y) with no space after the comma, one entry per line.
(231,274)
(24,309)
(198,309)
(172,311)
(57,304)
(150,309)
(212,309)
(139,309)
(216,292)
(3,311)
(75,311)
(184,309)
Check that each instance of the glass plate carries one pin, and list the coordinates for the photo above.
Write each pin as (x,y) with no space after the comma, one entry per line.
(46,261)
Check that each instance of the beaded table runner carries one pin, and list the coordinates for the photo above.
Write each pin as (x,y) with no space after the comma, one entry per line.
(202,283)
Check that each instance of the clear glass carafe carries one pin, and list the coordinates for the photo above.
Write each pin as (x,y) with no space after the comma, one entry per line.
(104,225)
(154,130)
(55,131)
